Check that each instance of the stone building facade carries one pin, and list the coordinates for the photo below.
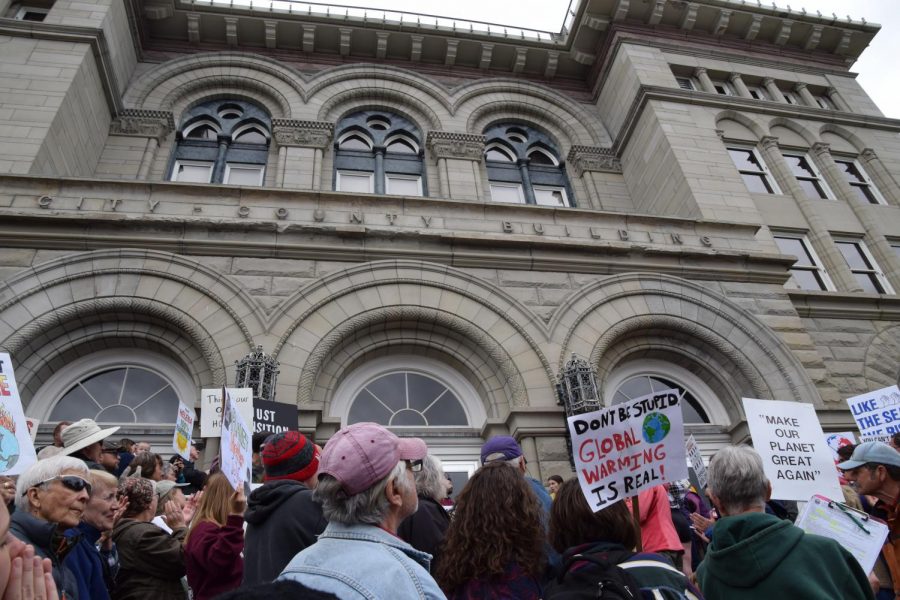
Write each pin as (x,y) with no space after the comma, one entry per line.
(423,221)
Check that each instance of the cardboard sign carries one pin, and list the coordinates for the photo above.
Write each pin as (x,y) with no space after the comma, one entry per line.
(835,441)
(693,452)
(789,438)
(211,408)
(16,448)
(627,448)
(184,429)
(236,445)
(273,417)
(877,413)
(32,427)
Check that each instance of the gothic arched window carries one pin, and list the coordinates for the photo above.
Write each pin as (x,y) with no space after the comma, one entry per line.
(222,142)
(378,153)
(523,167)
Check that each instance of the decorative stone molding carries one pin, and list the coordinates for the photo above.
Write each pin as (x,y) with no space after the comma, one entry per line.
(143,123)
(303,134)
(447,144)
(590,158)
(821,148)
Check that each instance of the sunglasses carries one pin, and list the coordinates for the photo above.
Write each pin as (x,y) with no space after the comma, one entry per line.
(70,482)
(414,465)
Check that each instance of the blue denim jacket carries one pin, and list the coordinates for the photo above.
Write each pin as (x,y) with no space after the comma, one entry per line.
(364,562)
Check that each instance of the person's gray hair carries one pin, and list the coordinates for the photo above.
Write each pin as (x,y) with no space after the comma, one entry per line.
(737,478)
(44,470)
(369,506)
(430,480)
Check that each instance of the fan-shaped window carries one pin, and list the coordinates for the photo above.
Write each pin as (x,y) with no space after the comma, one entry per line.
(523,166)
(241,127)
(648,384)
(386,147)
(407,399)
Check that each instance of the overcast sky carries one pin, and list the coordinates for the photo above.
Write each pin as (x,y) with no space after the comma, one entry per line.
(878,71)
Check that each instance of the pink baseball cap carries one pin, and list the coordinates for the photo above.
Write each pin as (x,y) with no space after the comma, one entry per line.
(364,453)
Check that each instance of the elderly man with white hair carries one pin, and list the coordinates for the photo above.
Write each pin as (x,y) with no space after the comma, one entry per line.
(367,488)
(51,496)
(756,555)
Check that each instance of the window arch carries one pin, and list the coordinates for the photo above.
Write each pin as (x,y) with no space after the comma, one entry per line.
(222,142)
(524,167)
(378,152)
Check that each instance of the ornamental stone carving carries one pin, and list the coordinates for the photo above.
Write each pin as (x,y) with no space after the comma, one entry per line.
(590,158)
(446,144)
(143,123)
(302,134)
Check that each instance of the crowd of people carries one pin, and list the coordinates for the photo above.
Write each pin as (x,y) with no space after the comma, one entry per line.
(368,517)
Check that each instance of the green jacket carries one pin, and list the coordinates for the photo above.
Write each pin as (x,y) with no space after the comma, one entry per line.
(755,555)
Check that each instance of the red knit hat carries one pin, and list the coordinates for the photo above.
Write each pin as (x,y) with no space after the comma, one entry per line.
(289,455)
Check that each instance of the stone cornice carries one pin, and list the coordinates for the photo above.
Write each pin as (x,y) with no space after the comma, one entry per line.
(836,305)
(303,134)
(447,144)
(589,158)
(143,123)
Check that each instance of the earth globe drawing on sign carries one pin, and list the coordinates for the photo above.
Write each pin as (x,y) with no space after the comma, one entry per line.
(656,427)
(9,449)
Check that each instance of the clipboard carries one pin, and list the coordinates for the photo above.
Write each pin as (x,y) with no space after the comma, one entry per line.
(861,534)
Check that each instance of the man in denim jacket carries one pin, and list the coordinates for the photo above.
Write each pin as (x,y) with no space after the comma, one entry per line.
(366,487)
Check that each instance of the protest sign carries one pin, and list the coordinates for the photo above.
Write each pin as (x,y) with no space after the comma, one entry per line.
(273,417)
(877,413)
(184,429)
(16,447)
(856,531)
(627,448)
(211,408)
(835,441)
(789,437)
(32,427)
(693,452)
(235,449)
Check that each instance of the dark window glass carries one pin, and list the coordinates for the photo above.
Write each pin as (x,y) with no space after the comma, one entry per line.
(799,166)
(367,408)
(745,160)
(203,132)
(498,155)
(401,146)
(354,142)
(853,255)
(646,384)
(251,136)
(796,247)
(406,399)
(539,158)
(121,395)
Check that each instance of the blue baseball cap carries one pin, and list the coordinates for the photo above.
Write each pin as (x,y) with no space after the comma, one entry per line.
(501,447)
(871,452)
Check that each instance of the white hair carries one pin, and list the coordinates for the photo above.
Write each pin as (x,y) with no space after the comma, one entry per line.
(42,471)
(736,477)
(368,506)
(430,480)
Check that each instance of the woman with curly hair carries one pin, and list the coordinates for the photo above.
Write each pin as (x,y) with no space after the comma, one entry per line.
(494,546)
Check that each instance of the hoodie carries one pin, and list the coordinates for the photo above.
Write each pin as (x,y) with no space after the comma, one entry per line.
(757,555)
(282,519)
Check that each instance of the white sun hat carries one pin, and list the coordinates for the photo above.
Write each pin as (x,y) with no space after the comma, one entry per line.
(82,434)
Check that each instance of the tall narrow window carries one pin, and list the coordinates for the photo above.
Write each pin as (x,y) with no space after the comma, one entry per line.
(723,88)
(686,83)
(864,268)
(808,176)
(807,272)
(758,92)
(753,170)
(859,180)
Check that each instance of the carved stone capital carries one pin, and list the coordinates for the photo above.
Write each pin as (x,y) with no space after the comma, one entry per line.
(821,148)
(447,144)
(868,154)
(303,134)
(769,142)
(143,123)
(590,158)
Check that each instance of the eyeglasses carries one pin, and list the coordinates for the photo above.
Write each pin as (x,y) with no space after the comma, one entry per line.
(414,465)
(70,482)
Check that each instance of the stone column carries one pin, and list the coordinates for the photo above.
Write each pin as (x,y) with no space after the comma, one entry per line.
(818,235)
(154,125)
(298,142)
(773,90)
(837,99)
(805,95)
(705,82)
(379,170)
(585,161)
(739,86)
(881,177)
(452,151)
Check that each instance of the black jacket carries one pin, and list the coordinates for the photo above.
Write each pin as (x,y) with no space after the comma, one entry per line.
(49,542)
(282,519)
(425,529)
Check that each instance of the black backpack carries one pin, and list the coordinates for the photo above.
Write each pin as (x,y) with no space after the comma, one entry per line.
(605,580)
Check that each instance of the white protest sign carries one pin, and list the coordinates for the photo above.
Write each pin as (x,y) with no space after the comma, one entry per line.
(211,408)
(184,429)
(32,424)
(625,449)
(836,441)
(235,448)
(693,452)
(16,447)
(789,438)
(877,413)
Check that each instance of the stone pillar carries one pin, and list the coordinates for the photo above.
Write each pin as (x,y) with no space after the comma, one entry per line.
(881,177)
(818,235)
(585,161)
(837,99)
(739,86)
(705,82)
(458,157)
(300,149)
(773,90)
(379,170)
(805,95)
(154,125)
(529,449)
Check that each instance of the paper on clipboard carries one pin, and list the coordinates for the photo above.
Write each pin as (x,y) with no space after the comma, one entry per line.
(848,526)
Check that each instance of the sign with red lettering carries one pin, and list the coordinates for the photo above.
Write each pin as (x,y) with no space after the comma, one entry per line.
(627,448)
(789,438)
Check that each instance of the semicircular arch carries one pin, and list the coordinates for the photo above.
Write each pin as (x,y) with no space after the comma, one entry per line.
(757,129)
(858,144)
(790,124)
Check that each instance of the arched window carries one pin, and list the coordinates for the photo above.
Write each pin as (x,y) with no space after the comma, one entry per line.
(222,142)
(523,167)
(378,153)
(641,385)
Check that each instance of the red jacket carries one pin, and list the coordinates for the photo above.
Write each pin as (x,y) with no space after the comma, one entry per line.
(213,557)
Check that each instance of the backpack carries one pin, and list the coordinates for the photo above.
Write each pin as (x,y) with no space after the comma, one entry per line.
(603,581)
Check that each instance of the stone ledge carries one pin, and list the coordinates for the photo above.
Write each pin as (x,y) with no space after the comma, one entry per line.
(837,305)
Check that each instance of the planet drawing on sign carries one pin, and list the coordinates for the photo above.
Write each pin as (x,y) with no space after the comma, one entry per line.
(656,427)
(9,445)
